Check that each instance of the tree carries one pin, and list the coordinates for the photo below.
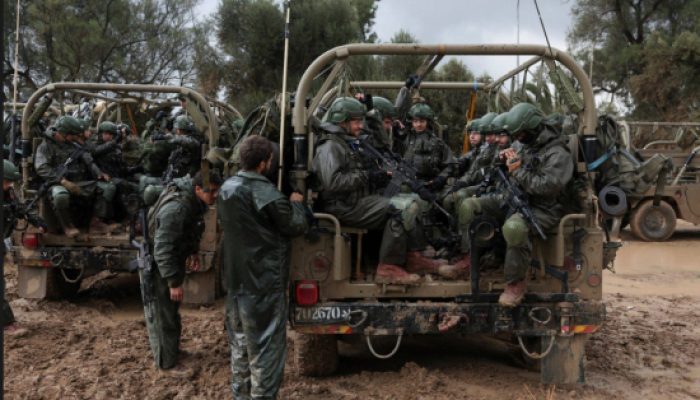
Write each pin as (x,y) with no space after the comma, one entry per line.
(120,41)
(620,32)
(250,33)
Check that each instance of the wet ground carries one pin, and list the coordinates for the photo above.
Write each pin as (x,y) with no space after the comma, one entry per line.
(95,347)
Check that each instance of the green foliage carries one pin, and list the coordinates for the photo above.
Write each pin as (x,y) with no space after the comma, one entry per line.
(131,41)
(251,31)
(642,51)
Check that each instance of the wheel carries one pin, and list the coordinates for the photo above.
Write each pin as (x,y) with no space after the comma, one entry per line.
(653,224)
(315,355)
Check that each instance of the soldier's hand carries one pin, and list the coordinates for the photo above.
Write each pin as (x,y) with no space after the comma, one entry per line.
(296,197)
(105,177)
(513,164)
(70,186)
(176,294)
(438,183)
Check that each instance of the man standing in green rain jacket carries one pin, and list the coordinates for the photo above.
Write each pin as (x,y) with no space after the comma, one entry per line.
(258,222)
(176,224)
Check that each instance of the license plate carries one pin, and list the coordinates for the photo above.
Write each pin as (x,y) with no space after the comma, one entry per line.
(321,315)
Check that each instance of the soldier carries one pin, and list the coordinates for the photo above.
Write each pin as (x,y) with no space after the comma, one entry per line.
(185,158)
(473,179)
(429,155)
(258,223)
(543,168)
(78,181)
(176,224)
(344,191)
(12,210)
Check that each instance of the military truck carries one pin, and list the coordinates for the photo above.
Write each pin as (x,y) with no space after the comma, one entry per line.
(652,214)
(51,264)
(333,295)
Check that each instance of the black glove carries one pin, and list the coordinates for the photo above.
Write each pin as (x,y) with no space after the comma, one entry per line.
(426,194)
(378,178)
(438,183)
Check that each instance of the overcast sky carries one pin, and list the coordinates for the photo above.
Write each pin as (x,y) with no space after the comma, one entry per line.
(468,21)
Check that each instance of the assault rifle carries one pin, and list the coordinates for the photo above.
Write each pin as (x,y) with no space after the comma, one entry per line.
(518,200)
(401,172)
(60,173)
(144,261)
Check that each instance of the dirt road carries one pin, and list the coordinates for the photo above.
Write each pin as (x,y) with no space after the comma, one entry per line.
(95,347)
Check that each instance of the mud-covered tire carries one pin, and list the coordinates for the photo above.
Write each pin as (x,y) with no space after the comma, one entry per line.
(653,224)
(315,355)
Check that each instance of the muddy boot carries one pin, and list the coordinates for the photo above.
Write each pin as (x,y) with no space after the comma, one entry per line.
(71,231)
(458,270)
(67,225)
(393,274)
(513,294)
(418,263)
(98,227)
(178,371)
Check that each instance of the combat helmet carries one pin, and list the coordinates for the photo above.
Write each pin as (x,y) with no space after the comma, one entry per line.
(498,123)
(523,117)
(473,126)
(485,123)
(109,127)
(11,172)
(343,109)
(384,106)
(185,123)
(69,125)
(421,110)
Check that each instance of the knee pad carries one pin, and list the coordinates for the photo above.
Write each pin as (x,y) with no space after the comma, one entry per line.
(60,198)
(407,208)
(108,190)
(467,209)
(516,231)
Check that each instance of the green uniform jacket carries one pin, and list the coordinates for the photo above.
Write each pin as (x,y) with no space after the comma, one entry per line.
(51,154)
(339,171)
(258,223)
(429,155)
(545,173)
(177,223)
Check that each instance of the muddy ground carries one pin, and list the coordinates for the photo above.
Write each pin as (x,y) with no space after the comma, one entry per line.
(95,347)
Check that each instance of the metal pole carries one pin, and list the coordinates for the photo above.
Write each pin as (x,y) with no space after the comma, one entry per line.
(283,106)
(2,213)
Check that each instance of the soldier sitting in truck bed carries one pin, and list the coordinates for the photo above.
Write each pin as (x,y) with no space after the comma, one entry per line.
(344,191)
(543,169)
(77,182)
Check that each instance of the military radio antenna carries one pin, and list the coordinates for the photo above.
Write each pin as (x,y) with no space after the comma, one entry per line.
(283,100)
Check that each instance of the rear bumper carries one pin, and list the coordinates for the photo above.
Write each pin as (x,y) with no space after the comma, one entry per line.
(86,258)
(538,315)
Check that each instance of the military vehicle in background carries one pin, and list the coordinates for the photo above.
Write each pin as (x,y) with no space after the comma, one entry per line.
(651,210)
(51,264)
(333,294)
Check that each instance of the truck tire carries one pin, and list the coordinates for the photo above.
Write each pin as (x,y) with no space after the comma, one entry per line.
(315,355)
(653,224)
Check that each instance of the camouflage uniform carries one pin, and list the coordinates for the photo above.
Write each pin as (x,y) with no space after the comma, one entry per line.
(49,156)
(545,173)
(176,222)
(344,191)
(258,223)
(429,155)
